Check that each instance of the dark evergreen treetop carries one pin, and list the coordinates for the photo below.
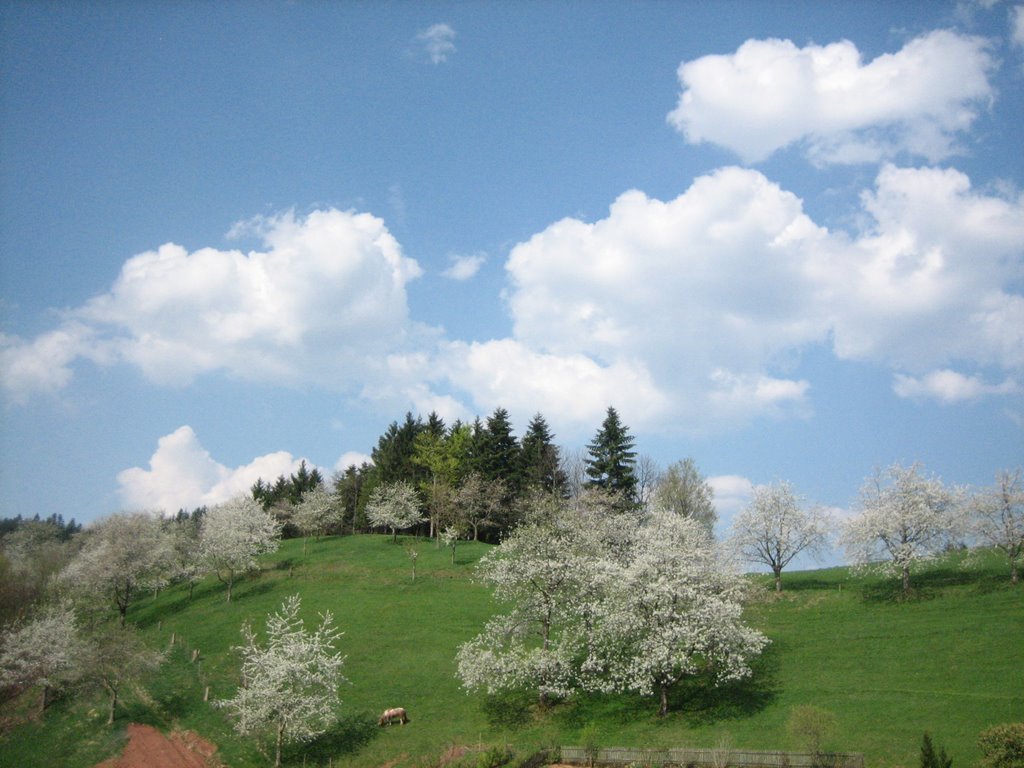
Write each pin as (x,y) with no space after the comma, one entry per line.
(540,458)
(612,458)
(393,456)
(498,458)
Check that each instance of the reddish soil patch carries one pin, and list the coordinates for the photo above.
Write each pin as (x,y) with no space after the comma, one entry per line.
(148,748)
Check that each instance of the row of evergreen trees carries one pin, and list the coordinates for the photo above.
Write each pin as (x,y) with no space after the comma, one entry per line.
(439,460)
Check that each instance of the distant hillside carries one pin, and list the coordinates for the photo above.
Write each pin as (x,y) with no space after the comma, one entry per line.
(949,662)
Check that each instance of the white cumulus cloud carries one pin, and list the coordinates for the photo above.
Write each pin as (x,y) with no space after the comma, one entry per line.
(319,302)
(691,314)
(183,475)
(771,94)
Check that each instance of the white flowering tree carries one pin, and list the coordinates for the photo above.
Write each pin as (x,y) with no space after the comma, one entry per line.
(116,658)
(545,572)
(120,556)
(672,611)
(906,517)
(394,506)
(315,514)
(289,683)
(233,535)
(774,528)
(997,518)
(45,651)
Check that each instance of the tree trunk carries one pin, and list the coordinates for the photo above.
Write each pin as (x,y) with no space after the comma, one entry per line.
(1013,572)
(906,580)
(231,581)
(113,704)
(663,710)
(778,578)
(44,700)
(191,588)
(280,738)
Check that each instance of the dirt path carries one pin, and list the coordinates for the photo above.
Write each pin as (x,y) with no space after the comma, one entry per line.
(148,748)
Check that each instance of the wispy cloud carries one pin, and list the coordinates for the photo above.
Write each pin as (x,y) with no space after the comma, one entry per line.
(949,387)
(1017,25)
(438,41)
(464,267)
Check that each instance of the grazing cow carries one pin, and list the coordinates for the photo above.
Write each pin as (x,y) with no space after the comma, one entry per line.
(390,715)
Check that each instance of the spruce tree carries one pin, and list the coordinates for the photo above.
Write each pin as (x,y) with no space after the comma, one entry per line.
(540,459)
(612,460)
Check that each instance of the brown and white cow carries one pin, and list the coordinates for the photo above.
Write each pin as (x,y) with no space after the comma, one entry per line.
(390,715)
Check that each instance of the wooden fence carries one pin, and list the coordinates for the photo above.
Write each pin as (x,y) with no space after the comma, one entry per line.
(721,757)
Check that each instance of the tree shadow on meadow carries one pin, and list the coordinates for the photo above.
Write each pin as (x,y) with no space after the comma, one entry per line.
(350,734)
(697,700)
(930,584)
(510,710)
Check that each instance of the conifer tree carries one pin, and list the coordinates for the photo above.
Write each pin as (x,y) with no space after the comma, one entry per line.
(540,459)
(612,460)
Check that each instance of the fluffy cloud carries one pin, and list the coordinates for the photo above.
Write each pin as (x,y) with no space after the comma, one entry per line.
(770,94)
(323,298)
(183,475)
(732,493)
(438,41)
(688,314)
(691,313)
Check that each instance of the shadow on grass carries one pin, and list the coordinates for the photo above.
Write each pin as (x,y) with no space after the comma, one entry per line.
(511,710)
(701,702)
(930,584)
(697,700)
(349,735)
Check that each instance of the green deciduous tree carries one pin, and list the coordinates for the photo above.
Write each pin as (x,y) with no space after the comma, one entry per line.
(683,490)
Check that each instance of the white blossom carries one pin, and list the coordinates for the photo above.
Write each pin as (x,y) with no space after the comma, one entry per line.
(121,555)
(774,529)
(997,518)
(673,611)
(233,534)
(905,518)
(45,651)
(395,506)
(290,683)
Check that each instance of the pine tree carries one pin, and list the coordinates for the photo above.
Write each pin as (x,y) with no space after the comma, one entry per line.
(612,458)
(540,459)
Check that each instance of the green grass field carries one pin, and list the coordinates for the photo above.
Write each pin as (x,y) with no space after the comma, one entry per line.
(950,661)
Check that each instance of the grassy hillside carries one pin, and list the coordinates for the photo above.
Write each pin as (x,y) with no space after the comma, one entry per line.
(950,661)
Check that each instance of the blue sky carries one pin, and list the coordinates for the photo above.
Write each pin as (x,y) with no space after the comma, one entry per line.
(786,239)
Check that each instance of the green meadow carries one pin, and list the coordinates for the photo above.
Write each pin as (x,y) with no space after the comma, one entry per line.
(949,661)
